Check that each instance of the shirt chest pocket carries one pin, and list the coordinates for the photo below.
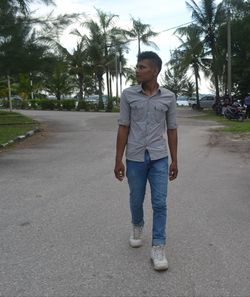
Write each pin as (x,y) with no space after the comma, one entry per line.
(159,112)
(137,111)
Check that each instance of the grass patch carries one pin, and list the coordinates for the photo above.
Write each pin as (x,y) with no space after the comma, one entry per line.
(13,124)
(229,125)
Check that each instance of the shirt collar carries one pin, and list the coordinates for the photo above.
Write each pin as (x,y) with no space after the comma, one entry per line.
(140,89)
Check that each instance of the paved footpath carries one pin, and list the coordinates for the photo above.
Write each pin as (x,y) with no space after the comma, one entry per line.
(64,219)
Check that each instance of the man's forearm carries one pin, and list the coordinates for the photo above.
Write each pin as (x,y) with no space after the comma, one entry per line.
(121,142)
(172,143)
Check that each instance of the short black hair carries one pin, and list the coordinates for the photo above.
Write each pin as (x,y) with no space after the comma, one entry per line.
(150,56)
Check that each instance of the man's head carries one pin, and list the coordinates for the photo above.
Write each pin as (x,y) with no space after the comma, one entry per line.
(148,66)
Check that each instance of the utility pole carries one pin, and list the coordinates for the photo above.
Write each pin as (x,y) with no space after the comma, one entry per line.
(9,92)
(120,74)
(116,76)
(229,55)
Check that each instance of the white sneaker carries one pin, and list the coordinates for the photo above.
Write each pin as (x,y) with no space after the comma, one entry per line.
(135,239)
(158,257)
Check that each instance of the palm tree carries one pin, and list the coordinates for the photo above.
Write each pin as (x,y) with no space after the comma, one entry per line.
(20,47)
(117,60)
(23,5)
(239,13)
(77,61)
(142,33)
(96,55)
(79,65)
(104,41)
(130,76)
(58,81)
(178,82)
(107,29)
(190,54)
(238,8)
(208,17)
(188,89)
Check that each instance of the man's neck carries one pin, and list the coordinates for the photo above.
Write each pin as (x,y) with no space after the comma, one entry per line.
(150,88)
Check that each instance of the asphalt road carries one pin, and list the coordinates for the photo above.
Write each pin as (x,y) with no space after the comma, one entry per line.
(64,219)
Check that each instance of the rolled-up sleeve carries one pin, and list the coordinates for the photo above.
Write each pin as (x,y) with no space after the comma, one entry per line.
(171,115)
(124,117)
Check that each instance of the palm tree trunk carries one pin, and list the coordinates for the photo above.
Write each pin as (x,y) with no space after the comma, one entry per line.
(80,82)
(58,95)
(120,73)
(196,74)
(214,69)
(110,86)
(139,45)
(107,81)
(99,77)
(116,79)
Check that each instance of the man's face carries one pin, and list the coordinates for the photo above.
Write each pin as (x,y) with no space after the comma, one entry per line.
(146,71)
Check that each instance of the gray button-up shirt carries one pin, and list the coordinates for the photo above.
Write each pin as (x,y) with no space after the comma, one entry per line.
(148,118)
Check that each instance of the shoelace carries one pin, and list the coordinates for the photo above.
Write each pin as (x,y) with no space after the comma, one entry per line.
(159,253)
(137,232)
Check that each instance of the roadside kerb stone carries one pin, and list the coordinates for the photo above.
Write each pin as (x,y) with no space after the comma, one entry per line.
(21,137)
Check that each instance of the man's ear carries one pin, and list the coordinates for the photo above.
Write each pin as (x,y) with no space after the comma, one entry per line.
(156,72)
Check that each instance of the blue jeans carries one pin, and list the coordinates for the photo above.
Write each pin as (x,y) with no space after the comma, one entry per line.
(156,172)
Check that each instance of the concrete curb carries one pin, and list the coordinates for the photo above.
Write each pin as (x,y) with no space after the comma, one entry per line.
(21,137)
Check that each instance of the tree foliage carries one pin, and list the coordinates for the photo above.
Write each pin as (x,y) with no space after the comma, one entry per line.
(34,60)
(142,33)
(177,82)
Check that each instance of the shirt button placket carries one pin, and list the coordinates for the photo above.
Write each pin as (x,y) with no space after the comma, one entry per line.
(148,123)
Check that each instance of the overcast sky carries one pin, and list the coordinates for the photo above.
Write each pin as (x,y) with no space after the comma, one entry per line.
(160,14)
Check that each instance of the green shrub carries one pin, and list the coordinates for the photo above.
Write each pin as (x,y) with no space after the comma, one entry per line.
(5,103)
(116,109)
(17,104)
(24,104)
(87,105)
(101,105)
(110,105)
(81,104)
(47,104)
(58,104)
(93,106)
(68,104)
(34,103)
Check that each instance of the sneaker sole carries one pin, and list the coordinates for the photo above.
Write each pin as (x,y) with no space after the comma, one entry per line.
(159,268)
(135,244)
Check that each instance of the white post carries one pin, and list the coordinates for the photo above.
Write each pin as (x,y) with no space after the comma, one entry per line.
(31,84)
(9,92)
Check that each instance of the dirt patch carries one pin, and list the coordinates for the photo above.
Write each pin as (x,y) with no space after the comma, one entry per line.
(231,142)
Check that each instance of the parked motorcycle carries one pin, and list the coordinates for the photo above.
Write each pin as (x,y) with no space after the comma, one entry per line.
(235,112)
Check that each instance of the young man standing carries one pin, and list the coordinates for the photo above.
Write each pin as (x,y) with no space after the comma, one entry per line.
(147,111)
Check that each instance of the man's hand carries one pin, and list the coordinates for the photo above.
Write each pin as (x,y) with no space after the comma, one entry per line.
(119,170)
(173,171)
(122,137)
